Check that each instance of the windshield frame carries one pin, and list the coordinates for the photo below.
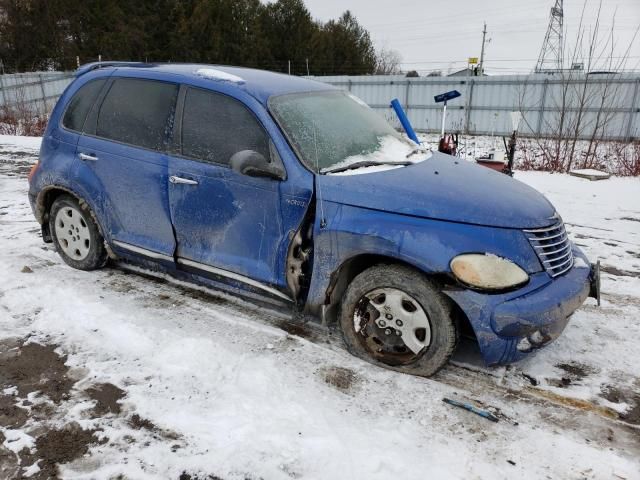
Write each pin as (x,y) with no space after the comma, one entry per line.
(290,141)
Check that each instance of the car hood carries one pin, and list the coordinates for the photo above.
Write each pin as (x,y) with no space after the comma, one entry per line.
(443,188)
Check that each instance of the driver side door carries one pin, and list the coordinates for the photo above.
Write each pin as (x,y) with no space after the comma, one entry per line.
(226,224)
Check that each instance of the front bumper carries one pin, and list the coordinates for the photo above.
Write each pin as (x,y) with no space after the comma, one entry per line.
(510,326)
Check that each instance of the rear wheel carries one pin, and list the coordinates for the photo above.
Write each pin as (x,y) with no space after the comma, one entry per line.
(76,235)
(393,316)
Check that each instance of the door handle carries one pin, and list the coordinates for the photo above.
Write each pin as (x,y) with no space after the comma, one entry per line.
(85,157)
(184,181)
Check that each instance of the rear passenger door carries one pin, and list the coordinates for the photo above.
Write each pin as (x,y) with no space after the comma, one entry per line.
(123,145)
(226,223)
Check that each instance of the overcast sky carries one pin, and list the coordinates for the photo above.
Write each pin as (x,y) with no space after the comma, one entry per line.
(442,34)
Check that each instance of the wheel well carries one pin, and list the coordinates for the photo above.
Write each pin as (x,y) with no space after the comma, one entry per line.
(44,202)
(354,266)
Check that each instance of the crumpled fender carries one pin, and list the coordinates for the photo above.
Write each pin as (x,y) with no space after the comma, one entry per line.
(428,245)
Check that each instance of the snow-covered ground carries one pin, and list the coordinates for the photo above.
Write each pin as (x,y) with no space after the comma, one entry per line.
(211,387)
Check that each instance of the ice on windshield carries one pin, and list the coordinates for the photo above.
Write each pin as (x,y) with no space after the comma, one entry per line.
(332,128)
(391,149)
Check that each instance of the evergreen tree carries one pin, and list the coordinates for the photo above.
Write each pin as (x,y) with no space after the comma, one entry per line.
(50,34)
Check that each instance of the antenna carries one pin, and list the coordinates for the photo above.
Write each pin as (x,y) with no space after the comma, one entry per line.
(323,221)
(550,58)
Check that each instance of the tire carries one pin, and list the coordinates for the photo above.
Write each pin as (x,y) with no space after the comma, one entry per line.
(75,234)
(401,300)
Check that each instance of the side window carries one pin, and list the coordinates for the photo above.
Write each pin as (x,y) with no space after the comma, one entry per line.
(215,126)
(81,103)
(136,112)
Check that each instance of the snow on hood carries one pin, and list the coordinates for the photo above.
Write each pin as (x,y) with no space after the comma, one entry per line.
(391,149)
(444,188)
(215,74)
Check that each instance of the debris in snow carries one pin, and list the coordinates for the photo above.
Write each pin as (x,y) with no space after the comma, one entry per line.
(215,74)
(467,406)
(26,269)
(590,174)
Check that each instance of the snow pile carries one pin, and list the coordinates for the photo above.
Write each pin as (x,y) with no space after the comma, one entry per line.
(215,74)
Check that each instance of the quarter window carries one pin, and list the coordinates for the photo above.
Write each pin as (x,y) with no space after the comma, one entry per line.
(137,112)
(80,105)
(215,126)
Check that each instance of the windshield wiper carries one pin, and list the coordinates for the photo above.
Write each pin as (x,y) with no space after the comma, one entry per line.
(365,163)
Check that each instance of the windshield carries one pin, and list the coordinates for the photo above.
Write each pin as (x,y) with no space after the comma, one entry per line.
(332,130)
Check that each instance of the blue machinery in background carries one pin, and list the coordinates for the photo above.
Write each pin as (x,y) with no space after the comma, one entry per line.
(406,124)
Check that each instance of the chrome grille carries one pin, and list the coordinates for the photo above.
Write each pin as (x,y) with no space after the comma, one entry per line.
(553,248)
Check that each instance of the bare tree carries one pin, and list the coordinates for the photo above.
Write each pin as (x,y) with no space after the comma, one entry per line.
(578,100)
(388,62)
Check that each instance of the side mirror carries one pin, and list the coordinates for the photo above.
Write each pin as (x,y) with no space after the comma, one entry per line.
(254,164)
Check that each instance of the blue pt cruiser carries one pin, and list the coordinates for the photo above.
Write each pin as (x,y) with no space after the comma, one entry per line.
(296,194)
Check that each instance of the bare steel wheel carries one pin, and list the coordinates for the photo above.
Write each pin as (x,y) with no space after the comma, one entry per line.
(394,316)
(72,233)
(75,234)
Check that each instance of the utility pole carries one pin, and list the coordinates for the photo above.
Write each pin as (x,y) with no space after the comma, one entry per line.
(484,35)
(289,66)
(307,67)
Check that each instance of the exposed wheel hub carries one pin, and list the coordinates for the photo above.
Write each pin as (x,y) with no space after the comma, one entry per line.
(392,325)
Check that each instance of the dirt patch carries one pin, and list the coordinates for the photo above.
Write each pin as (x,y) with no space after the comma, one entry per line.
(57,447)
(9,467)
(11,416)
(612,394)
(106,396)
(140,423)
(576,370)
(33,367)
(297,329)
(339,377)
(188,476)
(618,272)
(623,395)
(574,373)
(633,414)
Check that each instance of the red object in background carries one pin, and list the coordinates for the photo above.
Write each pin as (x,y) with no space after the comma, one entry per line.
(448,144)
(496,165)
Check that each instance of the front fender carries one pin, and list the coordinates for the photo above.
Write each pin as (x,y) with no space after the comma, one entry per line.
(428,245)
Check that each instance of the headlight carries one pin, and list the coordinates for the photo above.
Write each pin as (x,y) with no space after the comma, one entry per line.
(487,272)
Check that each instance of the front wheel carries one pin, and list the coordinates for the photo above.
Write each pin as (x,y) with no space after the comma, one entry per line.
(393,316)
(76,235)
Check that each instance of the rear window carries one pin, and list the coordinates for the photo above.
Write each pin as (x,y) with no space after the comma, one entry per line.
(137,112)
(215,126)
(80,105)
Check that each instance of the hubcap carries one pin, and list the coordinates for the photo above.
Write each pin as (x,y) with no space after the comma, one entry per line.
(72,233)
(392,326)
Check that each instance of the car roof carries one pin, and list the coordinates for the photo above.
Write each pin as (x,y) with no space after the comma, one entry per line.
(260,84)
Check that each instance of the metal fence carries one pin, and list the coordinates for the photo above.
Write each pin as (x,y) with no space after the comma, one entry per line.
(36,91)
(608,104)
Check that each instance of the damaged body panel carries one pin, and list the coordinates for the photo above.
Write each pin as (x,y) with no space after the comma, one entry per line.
(289,192)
